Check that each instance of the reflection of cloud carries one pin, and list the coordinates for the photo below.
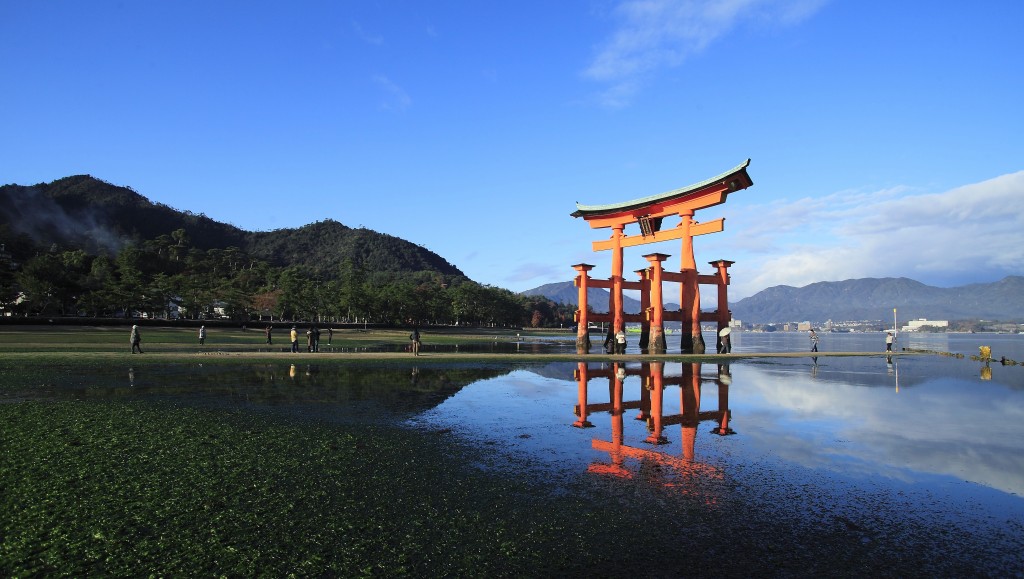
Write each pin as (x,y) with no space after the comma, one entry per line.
(657,34)
(891,233)
(395,98)
(935,429)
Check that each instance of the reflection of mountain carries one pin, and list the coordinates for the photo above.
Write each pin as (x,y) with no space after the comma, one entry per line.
(554,370)
(328,390)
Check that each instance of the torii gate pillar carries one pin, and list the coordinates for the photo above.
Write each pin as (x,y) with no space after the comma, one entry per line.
(655,313)
(724,316)
(582,323)
(691,341)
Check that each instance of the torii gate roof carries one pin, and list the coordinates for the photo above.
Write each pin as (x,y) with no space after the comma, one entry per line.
(697,196)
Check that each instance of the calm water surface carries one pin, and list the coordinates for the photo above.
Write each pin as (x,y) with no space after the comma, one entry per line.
(872,440)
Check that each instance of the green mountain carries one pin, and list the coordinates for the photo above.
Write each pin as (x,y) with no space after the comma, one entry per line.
(87,213)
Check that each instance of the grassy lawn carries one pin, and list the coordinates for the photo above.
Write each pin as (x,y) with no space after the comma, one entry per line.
(173,339)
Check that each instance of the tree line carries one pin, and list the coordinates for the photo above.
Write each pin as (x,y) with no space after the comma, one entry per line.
(167,277)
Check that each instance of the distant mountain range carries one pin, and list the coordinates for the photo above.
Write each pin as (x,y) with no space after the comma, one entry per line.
(856,299)
(567,293)
(84,212)
(87,213)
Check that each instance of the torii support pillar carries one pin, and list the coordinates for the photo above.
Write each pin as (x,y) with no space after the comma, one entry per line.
(645,306)
(656,312)
(582,323)
(724,315)
(615,299)
(691,341)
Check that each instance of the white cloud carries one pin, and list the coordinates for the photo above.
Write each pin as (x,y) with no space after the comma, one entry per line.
(365,36)
(972,230)
(395,98)
(659,34)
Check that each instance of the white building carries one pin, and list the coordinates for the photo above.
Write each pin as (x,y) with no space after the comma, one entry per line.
(916,325)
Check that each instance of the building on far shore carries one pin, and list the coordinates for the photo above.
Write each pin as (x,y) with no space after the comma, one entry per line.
(916,325)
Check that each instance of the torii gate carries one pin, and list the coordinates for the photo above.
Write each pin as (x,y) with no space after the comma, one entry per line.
(648,213)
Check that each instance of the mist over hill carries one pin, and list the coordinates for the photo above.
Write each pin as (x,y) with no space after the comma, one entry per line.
(849,300)
(90,214)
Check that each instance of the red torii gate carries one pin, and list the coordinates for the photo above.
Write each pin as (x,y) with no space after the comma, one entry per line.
(648,213)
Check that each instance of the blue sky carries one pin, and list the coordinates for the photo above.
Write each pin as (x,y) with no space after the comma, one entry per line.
(885,138)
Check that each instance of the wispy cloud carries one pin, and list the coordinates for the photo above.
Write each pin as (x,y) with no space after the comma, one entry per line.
(966,232)
(652,35)
(395,98)
(366,36)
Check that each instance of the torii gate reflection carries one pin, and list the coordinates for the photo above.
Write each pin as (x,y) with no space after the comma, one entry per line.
(651,409)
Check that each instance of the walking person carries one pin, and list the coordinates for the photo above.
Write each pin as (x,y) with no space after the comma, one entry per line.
(295,339)
(415,337)
(309,340)
(889,339)
(269,330)
(136,340)
(316,339)
(330,335)
(620,342)
(202,335)
(724,341)
(814,341)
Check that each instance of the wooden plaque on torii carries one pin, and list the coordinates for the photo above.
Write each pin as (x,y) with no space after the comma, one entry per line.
(649,214)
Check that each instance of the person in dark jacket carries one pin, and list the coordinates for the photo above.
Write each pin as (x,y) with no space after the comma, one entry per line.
(415,337)
(136,340)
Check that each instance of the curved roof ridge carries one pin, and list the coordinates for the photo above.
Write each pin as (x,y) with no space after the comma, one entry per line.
(581,209)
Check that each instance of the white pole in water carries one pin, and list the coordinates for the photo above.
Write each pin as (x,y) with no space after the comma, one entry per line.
(894,340)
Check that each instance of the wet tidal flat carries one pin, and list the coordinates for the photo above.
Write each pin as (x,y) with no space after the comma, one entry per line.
(779,467)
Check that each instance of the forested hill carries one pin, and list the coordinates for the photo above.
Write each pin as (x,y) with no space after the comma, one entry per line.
(325,245)
(83,212)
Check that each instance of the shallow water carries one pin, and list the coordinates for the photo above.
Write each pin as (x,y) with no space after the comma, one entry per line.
(873,442)
(1008,345)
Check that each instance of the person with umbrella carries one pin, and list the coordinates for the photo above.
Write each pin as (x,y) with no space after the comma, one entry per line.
(724,342)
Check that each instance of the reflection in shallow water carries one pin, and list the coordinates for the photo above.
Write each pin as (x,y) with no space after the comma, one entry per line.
(925,428)
(631,458)
(330,391)
(864,439)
